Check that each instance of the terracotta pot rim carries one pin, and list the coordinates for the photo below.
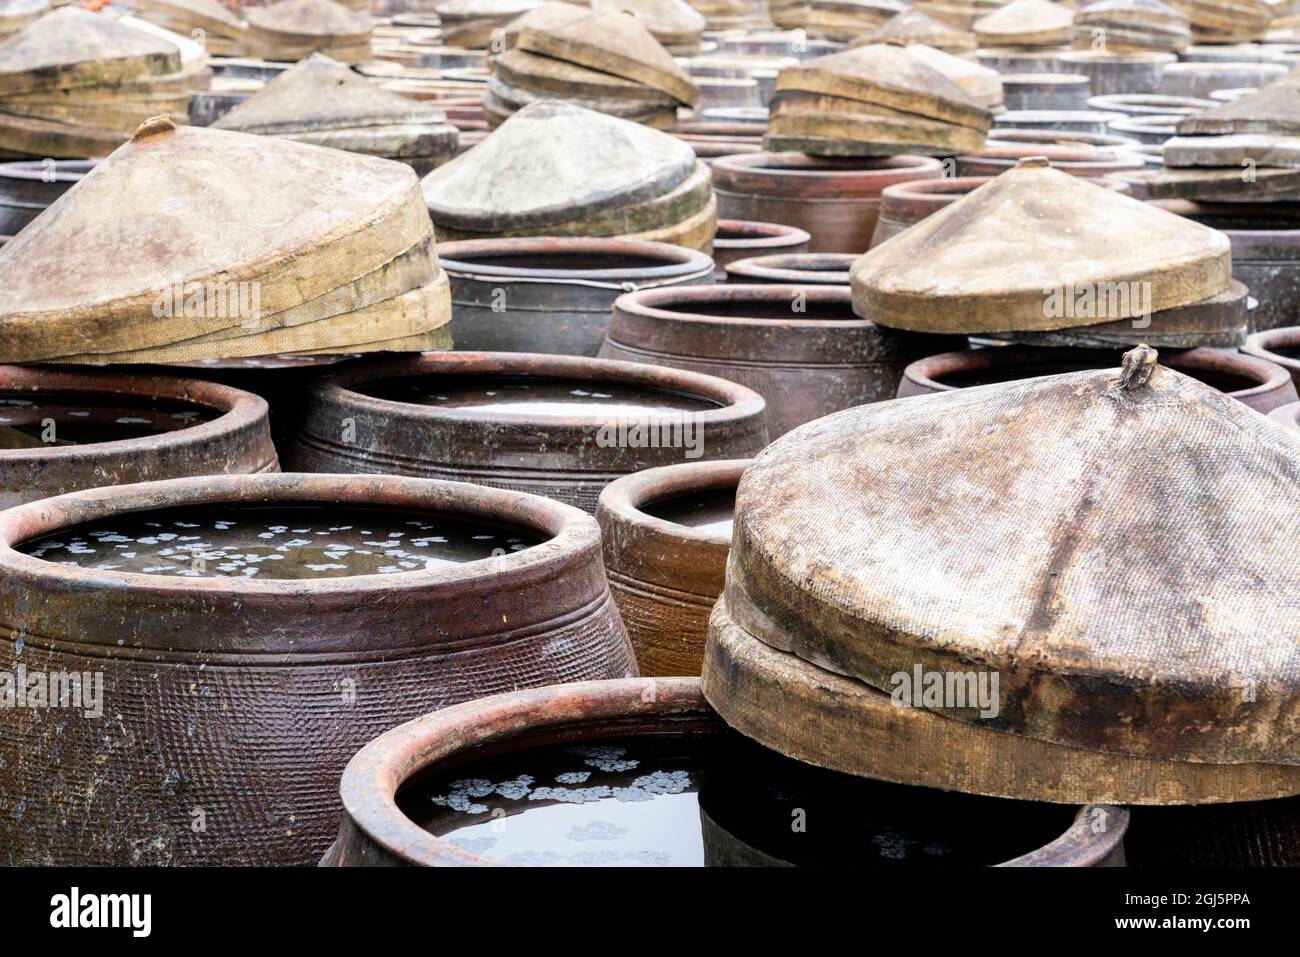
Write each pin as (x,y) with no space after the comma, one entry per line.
(659,303)
(1268,376)
(784,267)
(457,258)
(562,529)
(759,235)
(813,177)
(624,497)
(739,404)
(238,409)
(373,777)
(1260,345)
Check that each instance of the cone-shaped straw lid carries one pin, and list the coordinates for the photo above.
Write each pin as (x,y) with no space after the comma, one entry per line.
(310,18)
(981,83)
(1151,605)
(617,43)
(1274,109)
(913,26)
(320,93)
(888,75)
(546,15)
(1005,256)
(1026,21)
(210,14)
(73,47)
(552,162)
(663,18)
(16,14)
(179,205)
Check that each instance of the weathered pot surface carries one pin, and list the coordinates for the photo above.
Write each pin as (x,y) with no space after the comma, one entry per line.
(241,696)
(821,269)
(561,426)
(1078,161)
(668,726)
(666,533)
(62,430)
(835,200)
(1261,385)
(552,295)
(741,239)
(1280,346)
(801,347)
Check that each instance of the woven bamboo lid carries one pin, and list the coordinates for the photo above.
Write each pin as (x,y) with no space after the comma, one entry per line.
(542,74)
(886,75)
(210,15)
(616,43)
(546,15)
(1118,546)
(297,20)
(1025,23)
(553,162)
(72,47)
(321,94)
(187,205)
(992,261)
(669,21)
(912,26)
(981,83)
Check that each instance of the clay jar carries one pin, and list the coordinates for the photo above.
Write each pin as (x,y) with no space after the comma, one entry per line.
(1279,346)
(740,239)
(62,430)
(818,269)
(666,533)
(801,347)
(243,696)
(561,426)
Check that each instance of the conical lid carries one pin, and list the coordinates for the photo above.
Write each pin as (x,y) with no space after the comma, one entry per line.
(553,162)
(888,75)
(1003,256)
(546,15)
(1136,13)
(913,26)
(1236,151)
(673,20)
(544,75)
(193,205)
(1272,109)
(1117,546)
(320,94)
(310,18)
(981,83)
(72,47)
(17,14)
(486,9)
(211,15)
(1025,21)
(617,43)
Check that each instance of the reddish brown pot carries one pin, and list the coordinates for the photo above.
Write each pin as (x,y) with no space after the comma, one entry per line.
(562,456)
(1077,161)
(553,295)
(375,832)
(665,570)
(1287,415)
(237,440)
(237,702)
(805,362)
(1279,346)
(711,140)
(1265,241)
(818,269)
(1261,385)
(740,239)
(906,204)
(835,200)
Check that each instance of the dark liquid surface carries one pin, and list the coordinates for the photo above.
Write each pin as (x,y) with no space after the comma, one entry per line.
(709,800)
(281,542)
(535,395)
(973,377)
(707,511)
(39,420)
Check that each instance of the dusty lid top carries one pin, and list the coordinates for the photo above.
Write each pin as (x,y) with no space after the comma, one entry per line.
(614,42)
(1007,255)
(175,205)
(1032,19)
(320,93)
(1271,109)
(913,26)
(661,17)
(72,47)
(982,84)
(1117,545)
(21,10)
(551,162)
(888,75)
(488,9)
(1136,12)
(549,14)
(198,11)
(322,18)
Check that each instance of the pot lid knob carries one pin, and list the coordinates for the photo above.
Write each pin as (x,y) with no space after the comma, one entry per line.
(154,126)
(1137,366)
(1034,162)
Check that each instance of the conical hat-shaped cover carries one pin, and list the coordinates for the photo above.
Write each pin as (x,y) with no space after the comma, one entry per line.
(211,15)
(1117,546)
(1131,14)
(670,21)
(72,47)
(913,26)
(1025,22)
(981,83)
(547,15)
(552,162)
(617,43)
(992,261)
(1273,109)
(321,94)
(180,205)
(311,18)
(886,75)
(17,14)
